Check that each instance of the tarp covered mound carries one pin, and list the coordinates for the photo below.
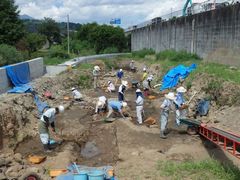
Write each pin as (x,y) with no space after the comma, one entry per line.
(171,79)
(20,76)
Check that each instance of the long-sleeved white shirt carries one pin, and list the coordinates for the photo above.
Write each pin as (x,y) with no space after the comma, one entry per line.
(76,94)
(139,101)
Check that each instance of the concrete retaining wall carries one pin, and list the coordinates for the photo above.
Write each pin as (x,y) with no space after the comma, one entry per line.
(213,35)
(37,69)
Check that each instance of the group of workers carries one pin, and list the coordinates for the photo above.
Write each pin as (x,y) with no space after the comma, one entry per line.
(171,102)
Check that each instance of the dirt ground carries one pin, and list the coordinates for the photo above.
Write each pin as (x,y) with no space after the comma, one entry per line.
(133,150)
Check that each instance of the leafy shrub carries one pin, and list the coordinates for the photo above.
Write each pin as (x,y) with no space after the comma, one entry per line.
(142,53)
(111,63)
(173,55)
(213,89)
(109,50)
(57,51)
(9,55)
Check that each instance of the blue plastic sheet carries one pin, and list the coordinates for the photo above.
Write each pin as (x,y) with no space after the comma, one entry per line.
(172,77)
(19,75)
(40,105)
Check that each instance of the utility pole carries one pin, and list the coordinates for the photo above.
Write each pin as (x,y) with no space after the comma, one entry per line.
(68,33)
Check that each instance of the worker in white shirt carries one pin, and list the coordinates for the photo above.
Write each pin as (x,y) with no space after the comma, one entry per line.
(101,105)
(139,105)
(76,94)
(165,108)
(96,73)
(147,85)
(121,90)
(111,87)
(46,120)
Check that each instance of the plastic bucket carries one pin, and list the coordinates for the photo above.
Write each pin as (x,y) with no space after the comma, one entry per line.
(96,175)
(82,175)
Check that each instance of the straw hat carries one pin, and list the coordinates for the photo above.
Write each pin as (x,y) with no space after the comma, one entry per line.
(181,89)
(170,96)
(125,83)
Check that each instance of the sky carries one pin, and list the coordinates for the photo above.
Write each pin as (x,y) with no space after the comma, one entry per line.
(131,12)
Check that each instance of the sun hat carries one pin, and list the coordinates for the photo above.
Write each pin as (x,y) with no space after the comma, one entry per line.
(97,68)
(181,89)
(73,89)
(125,83)
(124,104)
(109,82)
(61,108)
(170,96)
(138,90)
(144,69)
(120,70)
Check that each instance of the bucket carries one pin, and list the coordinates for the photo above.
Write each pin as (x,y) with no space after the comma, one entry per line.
(96,175)
(82,175)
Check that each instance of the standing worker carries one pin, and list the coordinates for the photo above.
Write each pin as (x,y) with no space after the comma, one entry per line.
(132,67)
(76,94)
(46,120)
(165,108)
(120,75)
(111,87)
(139,105)
(96,73)
(101,105)
(144,74)
(121,90)
(116,106)
(179,102)
(147,85)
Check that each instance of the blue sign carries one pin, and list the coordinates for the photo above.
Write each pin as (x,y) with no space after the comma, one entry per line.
(115,21)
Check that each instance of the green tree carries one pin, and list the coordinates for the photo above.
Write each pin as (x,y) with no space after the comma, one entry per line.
(9,55)
(51,30)
(34,42)
(11,27)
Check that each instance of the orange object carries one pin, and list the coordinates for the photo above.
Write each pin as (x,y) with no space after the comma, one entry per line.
(66,98)
(57,172)
(151,97)
(150,121)
(36,159)
(110,172)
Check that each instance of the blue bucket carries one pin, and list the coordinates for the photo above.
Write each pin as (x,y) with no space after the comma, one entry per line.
(96,175)
(82,175)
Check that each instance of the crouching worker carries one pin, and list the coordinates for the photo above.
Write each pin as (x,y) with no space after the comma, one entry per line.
(46,120)
(101,105)
(139,105)
(165,108)
(111,87)
(147,85)
(77,96)
(116,106)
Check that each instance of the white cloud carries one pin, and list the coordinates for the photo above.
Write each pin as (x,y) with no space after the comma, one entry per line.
(101,11)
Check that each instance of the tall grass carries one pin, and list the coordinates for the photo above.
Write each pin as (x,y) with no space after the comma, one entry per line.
(142,53)
(207,169)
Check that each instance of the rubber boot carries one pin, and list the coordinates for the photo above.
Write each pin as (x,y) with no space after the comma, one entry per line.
(46,148)
(162,135)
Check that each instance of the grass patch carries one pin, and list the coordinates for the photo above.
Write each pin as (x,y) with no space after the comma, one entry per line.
(207,169)
(177,56)
(85,81)
(53,61)
(142,53)
(111,63)
(85,66)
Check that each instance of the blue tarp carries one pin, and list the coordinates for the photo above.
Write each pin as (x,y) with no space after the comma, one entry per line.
(40,105)
(19,75)
(203,107)
(171,79)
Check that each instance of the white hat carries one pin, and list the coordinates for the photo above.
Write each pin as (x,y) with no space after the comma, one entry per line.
(150,77)
(181,89)
(97,68)
(109,82)
(102,98)
(170,96)
(124,104)
(100,103)
(138,90)
(125,83)
(144,69)
(61,108)
(120,70)
(132,61)
(73,88)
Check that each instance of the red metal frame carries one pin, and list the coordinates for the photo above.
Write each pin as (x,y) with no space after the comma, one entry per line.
(225,139)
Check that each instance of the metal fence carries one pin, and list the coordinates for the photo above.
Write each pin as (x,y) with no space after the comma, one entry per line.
(195,8)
